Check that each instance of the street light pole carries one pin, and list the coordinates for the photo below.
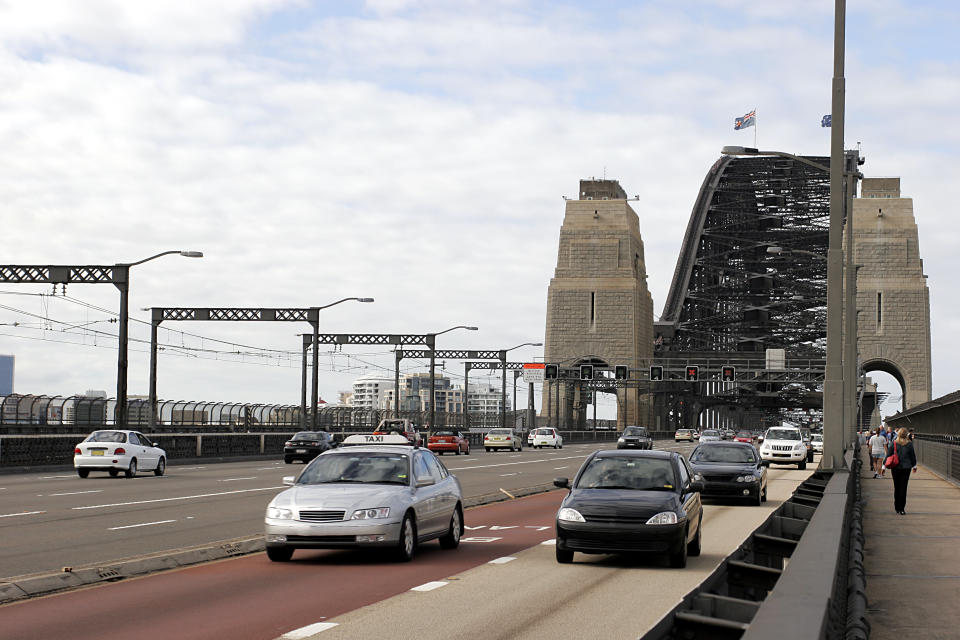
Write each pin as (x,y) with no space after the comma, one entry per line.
(432,345)
(121,280)
(315,382)
(503,380)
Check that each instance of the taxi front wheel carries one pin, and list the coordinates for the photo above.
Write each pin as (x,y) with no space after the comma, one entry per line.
(408,540)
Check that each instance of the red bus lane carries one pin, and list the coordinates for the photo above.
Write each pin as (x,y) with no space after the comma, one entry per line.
(253,598)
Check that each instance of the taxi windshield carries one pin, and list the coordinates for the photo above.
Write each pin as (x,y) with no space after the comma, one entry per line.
(627,472)
(357,467)
(723,454)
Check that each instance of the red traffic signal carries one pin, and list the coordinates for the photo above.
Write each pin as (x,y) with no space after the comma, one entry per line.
(728,373)
(692,373)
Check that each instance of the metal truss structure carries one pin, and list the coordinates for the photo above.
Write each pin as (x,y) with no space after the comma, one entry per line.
(751,276)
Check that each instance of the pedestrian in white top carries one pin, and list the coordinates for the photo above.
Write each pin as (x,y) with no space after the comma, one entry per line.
(878,450)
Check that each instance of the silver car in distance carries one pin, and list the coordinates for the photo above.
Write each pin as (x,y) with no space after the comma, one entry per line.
(375,491)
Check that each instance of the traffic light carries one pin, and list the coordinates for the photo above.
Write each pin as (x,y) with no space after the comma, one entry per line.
(693,373)
(728,373)
(621,372)
(550,371)
(656,372)
(586,372)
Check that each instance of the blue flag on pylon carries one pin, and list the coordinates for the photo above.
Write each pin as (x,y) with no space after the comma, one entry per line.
(748,120)
(827,120)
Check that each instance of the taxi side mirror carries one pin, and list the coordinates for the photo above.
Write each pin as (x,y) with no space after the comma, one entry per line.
(288,481)
(425,481)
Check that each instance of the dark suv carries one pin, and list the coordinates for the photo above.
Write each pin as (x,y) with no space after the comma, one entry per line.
(635,438)
(307,445)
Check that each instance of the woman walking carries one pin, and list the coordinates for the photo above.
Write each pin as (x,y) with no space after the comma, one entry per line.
(903,448)
(878,449)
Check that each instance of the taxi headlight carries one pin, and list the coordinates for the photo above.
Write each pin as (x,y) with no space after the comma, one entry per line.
(666,517)
(279,513)
(569,515)
(370,514)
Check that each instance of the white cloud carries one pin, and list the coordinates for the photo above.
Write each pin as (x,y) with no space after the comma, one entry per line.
(415,153)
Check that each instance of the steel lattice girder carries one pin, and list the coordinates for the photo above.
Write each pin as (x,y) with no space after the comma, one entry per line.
(737,295)
(496,366)
(452,354)
(56,274)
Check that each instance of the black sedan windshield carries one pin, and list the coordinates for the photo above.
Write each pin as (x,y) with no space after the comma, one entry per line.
(627,472)
(635,431)
(729,455)
(360,467)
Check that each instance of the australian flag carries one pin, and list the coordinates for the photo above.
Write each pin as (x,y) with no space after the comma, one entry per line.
(748,120)
(827,120)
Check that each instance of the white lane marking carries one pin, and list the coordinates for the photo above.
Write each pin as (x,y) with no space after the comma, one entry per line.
(53,477)
(503,560)
(482,526)
(506,464)
(274,468)
(22,513)
(75,493)
(235,479)
(550,542)
(480,539)
(530,526)
(515,473)
(200,495)
(189,468)
(558,468)
(516,455)
(430,586)
(307,631)
(499,528)
(142,524)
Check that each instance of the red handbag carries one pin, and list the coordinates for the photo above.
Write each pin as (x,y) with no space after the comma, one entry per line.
(893,460)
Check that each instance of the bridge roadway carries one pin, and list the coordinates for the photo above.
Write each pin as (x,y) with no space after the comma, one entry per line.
(367,595)
(56,519)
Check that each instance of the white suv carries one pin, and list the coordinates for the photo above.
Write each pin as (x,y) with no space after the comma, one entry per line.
(784,445)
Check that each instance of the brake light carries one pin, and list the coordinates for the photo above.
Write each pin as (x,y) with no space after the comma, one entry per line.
(77,452)
(120,451)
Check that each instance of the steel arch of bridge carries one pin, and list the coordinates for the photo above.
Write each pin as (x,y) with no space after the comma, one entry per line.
(730,295)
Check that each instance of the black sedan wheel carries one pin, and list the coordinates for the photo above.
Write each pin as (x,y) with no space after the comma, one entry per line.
(693,548)
(678,560)
(564,556)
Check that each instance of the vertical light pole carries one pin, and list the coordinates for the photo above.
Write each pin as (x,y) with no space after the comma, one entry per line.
(307,341)
(432,345)
(121,280)
(315,383)
(503,379)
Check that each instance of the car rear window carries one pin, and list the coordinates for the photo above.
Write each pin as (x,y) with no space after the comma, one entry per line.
(307,435)
(627,472)
(544,432)
(444,433)
(500,432)
(107,436)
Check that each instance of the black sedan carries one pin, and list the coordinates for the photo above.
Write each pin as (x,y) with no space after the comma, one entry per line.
(631,502)
(635,438)
(730,470)
(307,445)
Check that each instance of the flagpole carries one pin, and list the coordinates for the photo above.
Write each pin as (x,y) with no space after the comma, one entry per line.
(755,120)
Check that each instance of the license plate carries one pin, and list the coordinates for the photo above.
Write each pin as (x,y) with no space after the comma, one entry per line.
(301,450)
(96,452)
(498,439)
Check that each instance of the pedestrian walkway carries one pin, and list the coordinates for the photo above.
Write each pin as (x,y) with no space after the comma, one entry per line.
(912,561)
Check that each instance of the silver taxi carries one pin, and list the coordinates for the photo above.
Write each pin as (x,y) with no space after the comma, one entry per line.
(375,491)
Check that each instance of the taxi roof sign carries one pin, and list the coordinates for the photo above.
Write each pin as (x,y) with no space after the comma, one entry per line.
(377,439)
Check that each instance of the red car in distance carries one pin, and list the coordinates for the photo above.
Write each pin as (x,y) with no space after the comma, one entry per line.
(441,442)
(745,436)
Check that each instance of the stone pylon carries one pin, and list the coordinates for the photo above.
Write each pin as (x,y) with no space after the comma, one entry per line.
(599,308)
(893,300)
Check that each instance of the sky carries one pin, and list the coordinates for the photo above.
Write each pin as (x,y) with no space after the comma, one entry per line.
(416,152)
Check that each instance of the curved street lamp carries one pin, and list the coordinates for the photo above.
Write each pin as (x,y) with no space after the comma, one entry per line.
(315,379)
(432,345)
(503,381)
(121,280)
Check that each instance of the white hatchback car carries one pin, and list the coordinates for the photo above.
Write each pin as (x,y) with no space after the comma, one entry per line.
(547,437)
(116,450)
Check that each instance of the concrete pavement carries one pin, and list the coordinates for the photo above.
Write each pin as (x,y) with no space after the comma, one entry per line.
(911,561)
